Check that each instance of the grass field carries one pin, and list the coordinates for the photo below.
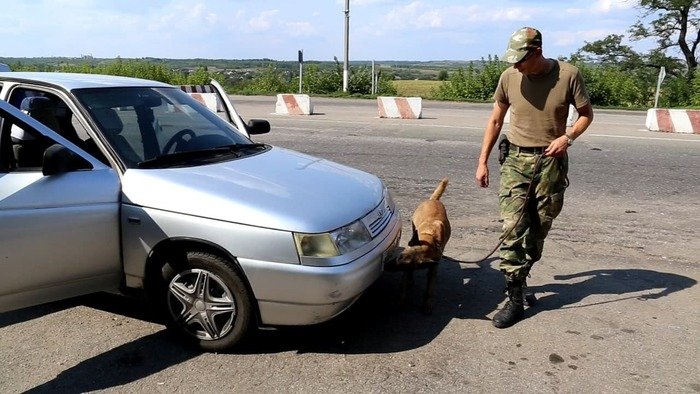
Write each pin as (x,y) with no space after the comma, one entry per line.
(413,88)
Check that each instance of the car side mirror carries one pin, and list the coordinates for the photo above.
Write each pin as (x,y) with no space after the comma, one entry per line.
(258,126)
(59,159)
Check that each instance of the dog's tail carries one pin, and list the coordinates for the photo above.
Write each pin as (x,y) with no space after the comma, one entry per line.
(439,190)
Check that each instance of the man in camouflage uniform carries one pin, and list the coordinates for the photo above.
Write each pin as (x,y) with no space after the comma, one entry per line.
(538,92)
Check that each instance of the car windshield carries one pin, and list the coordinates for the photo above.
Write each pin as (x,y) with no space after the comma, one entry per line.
(146,125)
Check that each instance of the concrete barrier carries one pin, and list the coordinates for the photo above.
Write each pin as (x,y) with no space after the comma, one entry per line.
(673,120)
(570,119)
(400,107)
(205,94)
(294,104)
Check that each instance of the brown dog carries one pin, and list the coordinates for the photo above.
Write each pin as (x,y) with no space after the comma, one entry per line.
(431,231)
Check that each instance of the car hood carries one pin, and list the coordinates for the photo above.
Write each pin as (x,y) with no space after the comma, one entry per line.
(279,189)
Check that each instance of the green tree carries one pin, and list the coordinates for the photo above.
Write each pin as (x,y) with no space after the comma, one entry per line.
(676,25)
(695,99)
(269,81)
(317,81)
(473,83)
(385,86)
(360,81)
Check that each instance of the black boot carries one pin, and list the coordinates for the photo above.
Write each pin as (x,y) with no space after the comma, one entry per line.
(514,309)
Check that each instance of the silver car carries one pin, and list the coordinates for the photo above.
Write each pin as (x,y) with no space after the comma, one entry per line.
(113,184)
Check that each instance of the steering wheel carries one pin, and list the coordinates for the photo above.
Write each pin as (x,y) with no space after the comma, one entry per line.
(178,140)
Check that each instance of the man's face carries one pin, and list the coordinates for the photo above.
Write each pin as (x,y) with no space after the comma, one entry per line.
(526,64)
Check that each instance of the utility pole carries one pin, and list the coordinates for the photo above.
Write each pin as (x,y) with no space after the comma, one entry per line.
(373,91)
(301,67)
(347,45)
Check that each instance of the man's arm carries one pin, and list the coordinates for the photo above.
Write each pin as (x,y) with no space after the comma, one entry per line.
(585,118)
(558,147)
(493,129)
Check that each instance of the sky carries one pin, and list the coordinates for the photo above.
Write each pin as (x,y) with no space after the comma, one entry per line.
(415,30)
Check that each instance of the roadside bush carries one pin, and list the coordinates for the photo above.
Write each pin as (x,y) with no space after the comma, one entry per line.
(695,100)
(269,81)
(360,81)
(472,83)
(611,86)
(317,81)
(385,86)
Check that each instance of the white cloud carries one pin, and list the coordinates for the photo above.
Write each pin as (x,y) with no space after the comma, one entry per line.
(176,16)
(299,29)
(507,14)
(383,28)
(263,21)
(362,3)
(606,6)
(577,38)
(419,15)
(200,12)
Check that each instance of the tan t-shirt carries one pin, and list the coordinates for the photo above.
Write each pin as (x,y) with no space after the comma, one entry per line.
(539,105)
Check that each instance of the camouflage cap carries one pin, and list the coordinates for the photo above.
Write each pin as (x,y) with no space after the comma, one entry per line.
(522,42)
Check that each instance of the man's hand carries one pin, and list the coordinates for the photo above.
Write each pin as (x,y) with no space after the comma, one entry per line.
(557,148)
(482,175)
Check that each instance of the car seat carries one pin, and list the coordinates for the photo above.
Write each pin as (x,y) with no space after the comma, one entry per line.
(112,126)
(28,148)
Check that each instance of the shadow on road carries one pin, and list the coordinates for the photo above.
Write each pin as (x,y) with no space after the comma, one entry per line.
(377,323)
(121,365)
(607,281)
(380,323)
(27,314)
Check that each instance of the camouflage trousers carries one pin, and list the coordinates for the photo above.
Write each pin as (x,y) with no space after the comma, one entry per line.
(523,246)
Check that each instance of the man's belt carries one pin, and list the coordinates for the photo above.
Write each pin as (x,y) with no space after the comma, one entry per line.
(535,150)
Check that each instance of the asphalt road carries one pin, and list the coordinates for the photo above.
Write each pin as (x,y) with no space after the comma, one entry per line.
(617,285)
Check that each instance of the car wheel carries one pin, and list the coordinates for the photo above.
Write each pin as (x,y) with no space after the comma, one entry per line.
(207,302)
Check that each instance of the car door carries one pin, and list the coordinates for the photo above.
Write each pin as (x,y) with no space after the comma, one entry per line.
(59,233)
(214,97)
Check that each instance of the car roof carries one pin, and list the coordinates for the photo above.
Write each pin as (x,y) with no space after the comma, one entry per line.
(70,81)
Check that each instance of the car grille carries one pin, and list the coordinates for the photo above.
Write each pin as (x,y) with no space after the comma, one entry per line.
(377,220)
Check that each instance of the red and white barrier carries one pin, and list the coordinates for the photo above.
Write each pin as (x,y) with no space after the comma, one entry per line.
(294,104)
(673,120)
(205,94)
(400,107)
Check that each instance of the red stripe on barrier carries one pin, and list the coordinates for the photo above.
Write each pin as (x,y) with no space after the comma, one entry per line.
(694,117)
(664,120)
(198,97)
(404,108)
(292,105)
(382,110)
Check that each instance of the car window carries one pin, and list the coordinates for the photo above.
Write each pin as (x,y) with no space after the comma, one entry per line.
(208,96)
(21,148)
(56,114)
(144,123)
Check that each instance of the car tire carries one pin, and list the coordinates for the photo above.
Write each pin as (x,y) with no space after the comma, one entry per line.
(206,301)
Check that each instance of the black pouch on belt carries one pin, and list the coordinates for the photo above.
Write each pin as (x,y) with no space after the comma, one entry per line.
(503,148)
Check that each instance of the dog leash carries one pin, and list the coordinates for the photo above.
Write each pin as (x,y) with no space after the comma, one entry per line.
(520,217)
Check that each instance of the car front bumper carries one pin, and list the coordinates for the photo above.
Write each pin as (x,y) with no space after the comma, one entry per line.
(300,295)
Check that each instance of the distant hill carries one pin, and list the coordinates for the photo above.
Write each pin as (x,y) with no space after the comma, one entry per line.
(427,70)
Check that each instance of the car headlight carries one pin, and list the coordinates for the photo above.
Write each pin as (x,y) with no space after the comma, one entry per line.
(341,241)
